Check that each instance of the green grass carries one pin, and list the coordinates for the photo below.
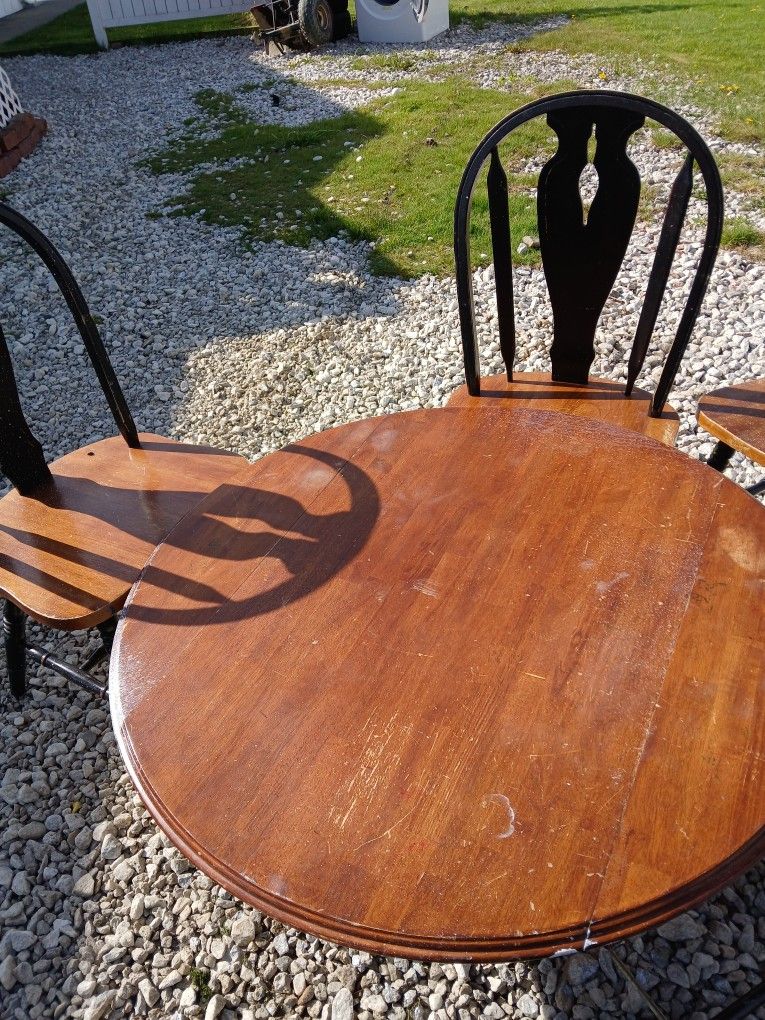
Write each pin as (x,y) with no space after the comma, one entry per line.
(384,62)
(72,33)
(745,174)
(716,45)
(387,174)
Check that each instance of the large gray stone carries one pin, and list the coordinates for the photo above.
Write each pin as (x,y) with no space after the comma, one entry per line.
(100,1006)
(528,1006)
(342,1005)
(683,928)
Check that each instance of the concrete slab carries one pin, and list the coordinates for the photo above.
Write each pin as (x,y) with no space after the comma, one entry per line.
(33,17)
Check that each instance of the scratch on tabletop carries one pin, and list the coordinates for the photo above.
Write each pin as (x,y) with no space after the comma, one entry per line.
(604,586)
(387,832)
(345,817)
(688,515)
(555,754)
(497,879)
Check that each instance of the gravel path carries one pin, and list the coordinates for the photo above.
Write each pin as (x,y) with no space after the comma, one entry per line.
(99,916)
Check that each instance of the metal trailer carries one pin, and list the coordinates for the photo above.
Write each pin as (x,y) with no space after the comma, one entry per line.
(301,24)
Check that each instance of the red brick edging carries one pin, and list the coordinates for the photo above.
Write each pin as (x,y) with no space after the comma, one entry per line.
(18,138)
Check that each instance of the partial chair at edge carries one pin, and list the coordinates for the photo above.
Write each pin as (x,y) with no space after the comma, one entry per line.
(735,417)
(582,258)
(76,533)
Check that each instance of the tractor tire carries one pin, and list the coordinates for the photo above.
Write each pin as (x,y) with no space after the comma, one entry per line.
(317,21)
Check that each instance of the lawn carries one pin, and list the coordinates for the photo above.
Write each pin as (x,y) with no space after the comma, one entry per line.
(718,46)
(389,173)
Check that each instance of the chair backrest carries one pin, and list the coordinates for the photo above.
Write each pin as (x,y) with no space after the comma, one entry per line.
(21,456)
(581,259)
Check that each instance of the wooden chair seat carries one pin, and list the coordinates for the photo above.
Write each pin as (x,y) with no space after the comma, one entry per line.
(70,554)
(601,399)
(75,534)
(735,416)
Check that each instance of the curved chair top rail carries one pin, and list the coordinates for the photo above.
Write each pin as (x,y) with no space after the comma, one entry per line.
(26,476)
(581,260)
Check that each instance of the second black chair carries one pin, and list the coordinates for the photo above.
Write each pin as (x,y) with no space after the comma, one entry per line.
(582,256)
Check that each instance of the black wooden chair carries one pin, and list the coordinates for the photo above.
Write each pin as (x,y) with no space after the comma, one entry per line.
(75,534)
(581,258)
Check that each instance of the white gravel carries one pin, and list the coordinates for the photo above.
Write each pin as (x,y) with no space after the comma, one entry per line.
(99,916)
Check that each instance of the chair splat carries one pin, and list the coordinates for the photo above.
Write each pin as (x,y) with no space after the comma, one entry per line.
(22,460)
(581,259)
(582,254)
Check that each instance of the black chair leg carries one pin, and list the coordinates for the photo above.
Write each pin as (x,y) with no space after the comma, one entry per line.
(746,1006)
(15,637)
(106,631)
(719,457)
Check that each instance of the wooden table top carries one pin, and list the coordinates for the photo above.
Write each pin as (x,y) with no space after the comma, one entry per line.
(736,415)
(455,684)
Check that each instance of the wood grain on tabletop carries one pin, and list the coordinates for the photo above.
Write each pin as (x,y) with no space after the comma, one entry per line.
(736,415)
(601,400)
(70,554)
(456,683)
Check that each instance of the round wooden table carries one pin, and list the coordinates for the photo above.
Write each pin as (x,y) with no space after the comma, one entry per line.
(454,684)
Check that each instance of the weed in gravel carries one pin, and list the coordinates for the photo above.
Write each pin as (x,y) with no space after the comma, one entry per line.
(740,233)
(200,981)
(384,62)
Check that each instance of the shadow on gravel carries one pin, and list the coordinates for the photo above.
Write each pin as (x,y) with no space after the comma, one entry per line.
(162,290)
(269,179)
(57,761)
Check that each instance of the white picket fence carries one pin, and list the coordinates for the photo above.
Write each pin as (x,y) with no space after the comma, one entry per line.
(9,101)
(9,7)
(115,13)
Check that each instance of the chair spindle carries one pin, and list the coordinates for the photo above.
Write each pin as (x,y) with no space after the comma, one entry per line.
(662,264)
(502,249)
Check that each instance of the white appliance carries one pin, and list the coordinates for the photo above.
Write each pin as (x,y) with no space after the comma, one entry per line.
(401,20)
